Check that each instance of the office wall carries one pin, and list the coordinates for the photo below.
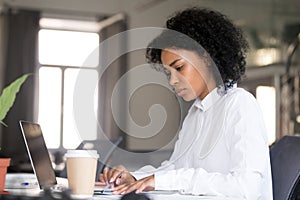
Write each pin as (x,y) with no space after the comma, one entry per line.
(2,49)
(2,44)
(2,54)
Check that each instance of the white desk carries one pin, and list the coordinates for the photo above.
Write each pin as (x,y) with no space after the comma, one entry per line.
(168,197)
(153,196)
(34,190)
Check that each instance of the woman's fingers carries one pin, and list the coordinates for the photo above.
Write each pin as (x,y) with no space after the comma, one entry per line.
(125,177)
(103,177)
(110,175)
(127,188)
(100,183)
(115,173)
(145,184)
(124,188)
(116,176)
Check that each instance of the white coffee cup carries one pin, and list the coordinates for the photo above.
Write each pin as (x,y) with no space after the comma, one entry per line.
(81,172)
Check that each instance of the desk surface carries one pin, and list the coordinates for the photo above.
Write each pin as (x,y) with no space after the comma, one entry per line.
(171,197)
(152,195)
(32,190)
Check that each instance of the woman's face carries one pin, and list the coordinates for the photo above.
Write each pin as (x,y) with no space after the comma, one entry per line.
(189,74)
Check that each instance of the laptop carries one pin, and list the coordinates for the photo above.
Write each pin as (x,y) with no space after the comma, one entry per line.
(39,156)
(40,160)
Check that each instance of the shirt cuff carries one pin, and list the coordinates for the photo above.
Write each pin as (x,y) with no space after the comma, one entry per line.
(164,179)
(145,171)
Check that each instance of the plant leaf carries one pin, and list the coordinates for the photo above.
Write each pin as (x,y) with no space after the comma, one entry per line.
(8,96)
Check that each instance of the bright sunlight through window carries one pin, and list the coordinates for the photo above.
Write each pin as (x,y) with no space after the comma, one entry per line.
(62,54)
(68,48)
(266,98)
(50,80)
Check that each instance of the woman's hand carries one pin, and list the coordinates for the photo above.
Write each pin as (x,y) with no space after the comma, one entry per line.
(145,184)
(116,176)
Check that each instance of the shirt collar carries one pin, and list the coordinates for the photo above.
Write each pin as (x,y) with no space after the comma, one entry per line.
(209,100)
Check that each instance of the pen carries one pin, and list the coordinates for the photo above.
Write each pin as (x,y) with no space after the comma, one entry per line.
(28,184)
(25,184)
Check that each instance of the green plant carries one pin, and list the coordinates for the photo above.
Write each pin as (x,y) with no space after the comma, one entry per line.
(8,96)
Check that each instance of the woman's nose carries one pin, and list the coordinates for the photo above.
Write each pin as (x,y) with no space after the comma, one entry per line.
(173,78)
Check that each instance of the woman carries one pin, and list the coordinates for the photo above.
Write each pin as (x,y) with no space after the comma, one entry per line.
(222,147)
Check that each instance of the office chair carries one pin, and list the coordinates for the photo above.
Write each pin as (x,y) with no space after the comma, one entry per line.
(104,149)
(285,165)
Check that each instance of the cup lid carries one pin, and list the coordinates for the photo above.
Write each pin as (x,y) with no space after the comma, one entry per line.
(82,154)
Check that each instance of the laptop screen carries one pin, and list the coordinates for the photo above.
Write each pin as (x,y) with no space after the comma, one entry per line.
(38,154)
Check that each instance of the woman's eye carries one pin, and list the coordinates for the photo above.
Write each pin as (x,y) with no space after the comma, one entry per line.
(179,68)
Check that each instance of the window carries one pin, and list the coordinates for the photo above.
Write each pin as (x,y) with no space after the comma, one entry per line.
(266,98)
(63,54)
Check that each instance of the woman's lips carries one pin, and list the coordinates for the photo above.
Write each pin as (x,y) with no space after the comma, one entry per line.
(180,92)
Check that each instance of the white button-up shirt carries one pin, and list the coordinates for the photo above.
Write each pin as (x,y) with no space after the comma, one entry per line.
(222,149)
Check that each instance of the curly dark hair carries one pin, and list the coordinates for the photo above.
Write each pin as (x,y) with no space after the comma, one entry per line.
(219,37)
